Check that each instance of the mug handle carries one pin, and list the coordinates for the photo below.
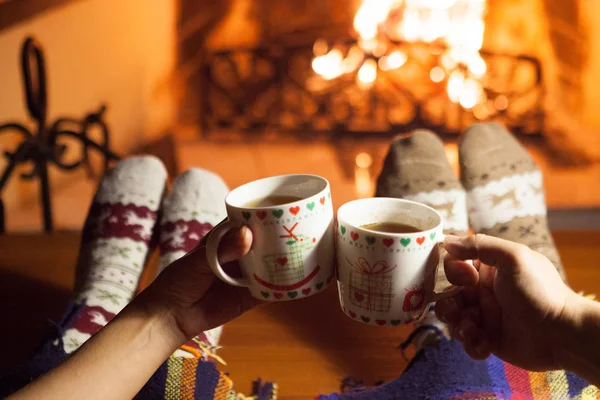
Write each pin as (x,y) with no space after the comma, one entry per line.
(214,238)
(450,290)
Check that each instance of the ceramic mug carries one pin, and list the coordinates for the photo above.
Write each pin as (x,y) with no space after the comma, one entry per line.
(388,278)
(292,253)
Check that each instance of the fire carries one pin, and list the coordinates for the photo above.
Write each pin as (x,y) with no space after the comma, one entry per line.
(458,24)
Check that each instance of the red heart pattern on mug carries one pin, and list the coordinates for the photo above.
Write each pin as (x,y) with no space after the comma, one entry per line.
(380,322)
(295,210)
(354,236)
(420,240)
(322,201)
(282,261)
(359,296)
(388,242)
(261,214)
(278,295)
(306,291)
(352,314)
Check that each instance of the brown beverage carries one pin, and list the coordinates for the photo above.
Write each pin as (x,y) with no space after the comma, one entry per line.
(391,227)
(273,200)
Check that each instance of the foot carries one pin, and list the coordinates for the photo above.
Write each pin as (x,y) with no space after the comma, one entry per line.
(505,189)
(115,244)
(194,206)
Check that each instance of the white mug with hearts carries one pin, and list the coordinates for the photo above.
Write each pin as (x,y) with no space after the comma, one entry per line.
(291,218)
(384,278)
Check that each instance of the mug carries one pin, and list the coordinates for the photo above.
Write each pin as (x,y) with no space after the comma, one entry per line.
(292,254)
(388,278)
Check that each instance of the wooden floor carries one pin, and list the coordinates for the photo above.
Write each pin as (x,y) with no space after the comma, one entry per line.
(305,346)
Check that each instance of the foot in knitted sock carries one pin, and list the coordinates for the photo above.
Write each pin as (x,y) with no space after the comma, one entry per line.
(504,189)
(416,168)
(195,205)
(115,243)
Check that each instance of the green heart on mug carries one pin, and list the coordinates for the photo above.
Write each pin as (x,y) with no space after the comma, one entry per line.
(432,235)
(343,229)
(277,213)
(319,285)
(246,215)
(395,322)
(365,319)
(310,205)
(265,294)
(292,294)
(405,241)
(370,240)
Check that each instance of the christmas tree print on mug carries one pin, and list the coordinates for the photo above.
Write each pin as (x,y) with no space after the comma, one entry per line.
(386,278)
(291,218)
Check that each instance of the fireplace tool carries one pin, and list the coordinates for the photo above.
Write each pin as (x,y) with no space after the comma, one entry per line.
(41,146)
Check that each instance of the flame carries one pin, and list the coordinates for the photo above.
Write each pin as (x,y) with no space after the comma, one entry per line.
(456,23)
(329,66)
(367,73)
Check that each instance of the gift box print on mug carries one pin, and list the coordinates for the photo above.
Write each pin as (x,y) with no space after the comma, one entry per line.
(370,285)
(286,271)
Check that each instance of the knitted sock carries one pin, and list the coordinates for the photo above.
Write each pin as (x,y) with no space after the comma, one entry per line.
(196,204)
(416,168)
(505,189)
(115,243)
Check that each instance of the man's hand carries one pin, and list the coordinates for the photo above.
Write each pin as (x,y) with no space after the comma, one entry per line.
(512,304)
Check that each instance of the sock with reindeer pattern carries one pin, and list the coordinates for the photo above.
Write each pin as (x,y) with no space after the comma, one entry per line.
(505,192)
(115,243)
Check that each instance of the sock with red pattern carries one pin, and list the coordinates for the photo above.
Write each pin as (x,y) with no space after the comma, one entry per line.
(115,243)
(195,204)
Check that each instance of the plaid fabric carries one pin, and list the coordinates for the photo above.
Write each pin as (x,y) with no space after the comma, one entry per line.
(448,373)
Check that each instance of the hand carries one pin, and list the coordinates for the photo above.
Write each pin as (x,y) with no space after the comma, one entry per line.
(513,301)
(190,293)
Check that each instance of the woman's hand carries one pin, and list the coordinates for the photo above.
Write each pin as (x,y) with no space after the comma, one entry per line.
(189,292)
(512,305)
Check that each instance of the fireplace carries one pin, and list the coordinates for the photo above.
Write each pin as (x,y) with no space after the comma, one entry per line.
(376,68)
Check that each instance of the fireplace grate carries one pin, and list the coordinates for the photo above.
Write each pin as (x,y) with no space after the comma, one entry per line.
(274,92)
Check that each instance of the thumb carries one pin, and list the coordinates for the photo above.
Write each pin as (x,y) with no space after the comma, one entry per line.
(490,250)
(235,245)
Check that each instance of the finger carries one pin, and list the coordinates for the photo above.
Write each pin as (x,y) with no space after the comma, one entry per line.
(235,245)
(470,295)
(468,331)
(474,339)
(490,250)
(492,318)
(478,350)
(459,272)
(449,310)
